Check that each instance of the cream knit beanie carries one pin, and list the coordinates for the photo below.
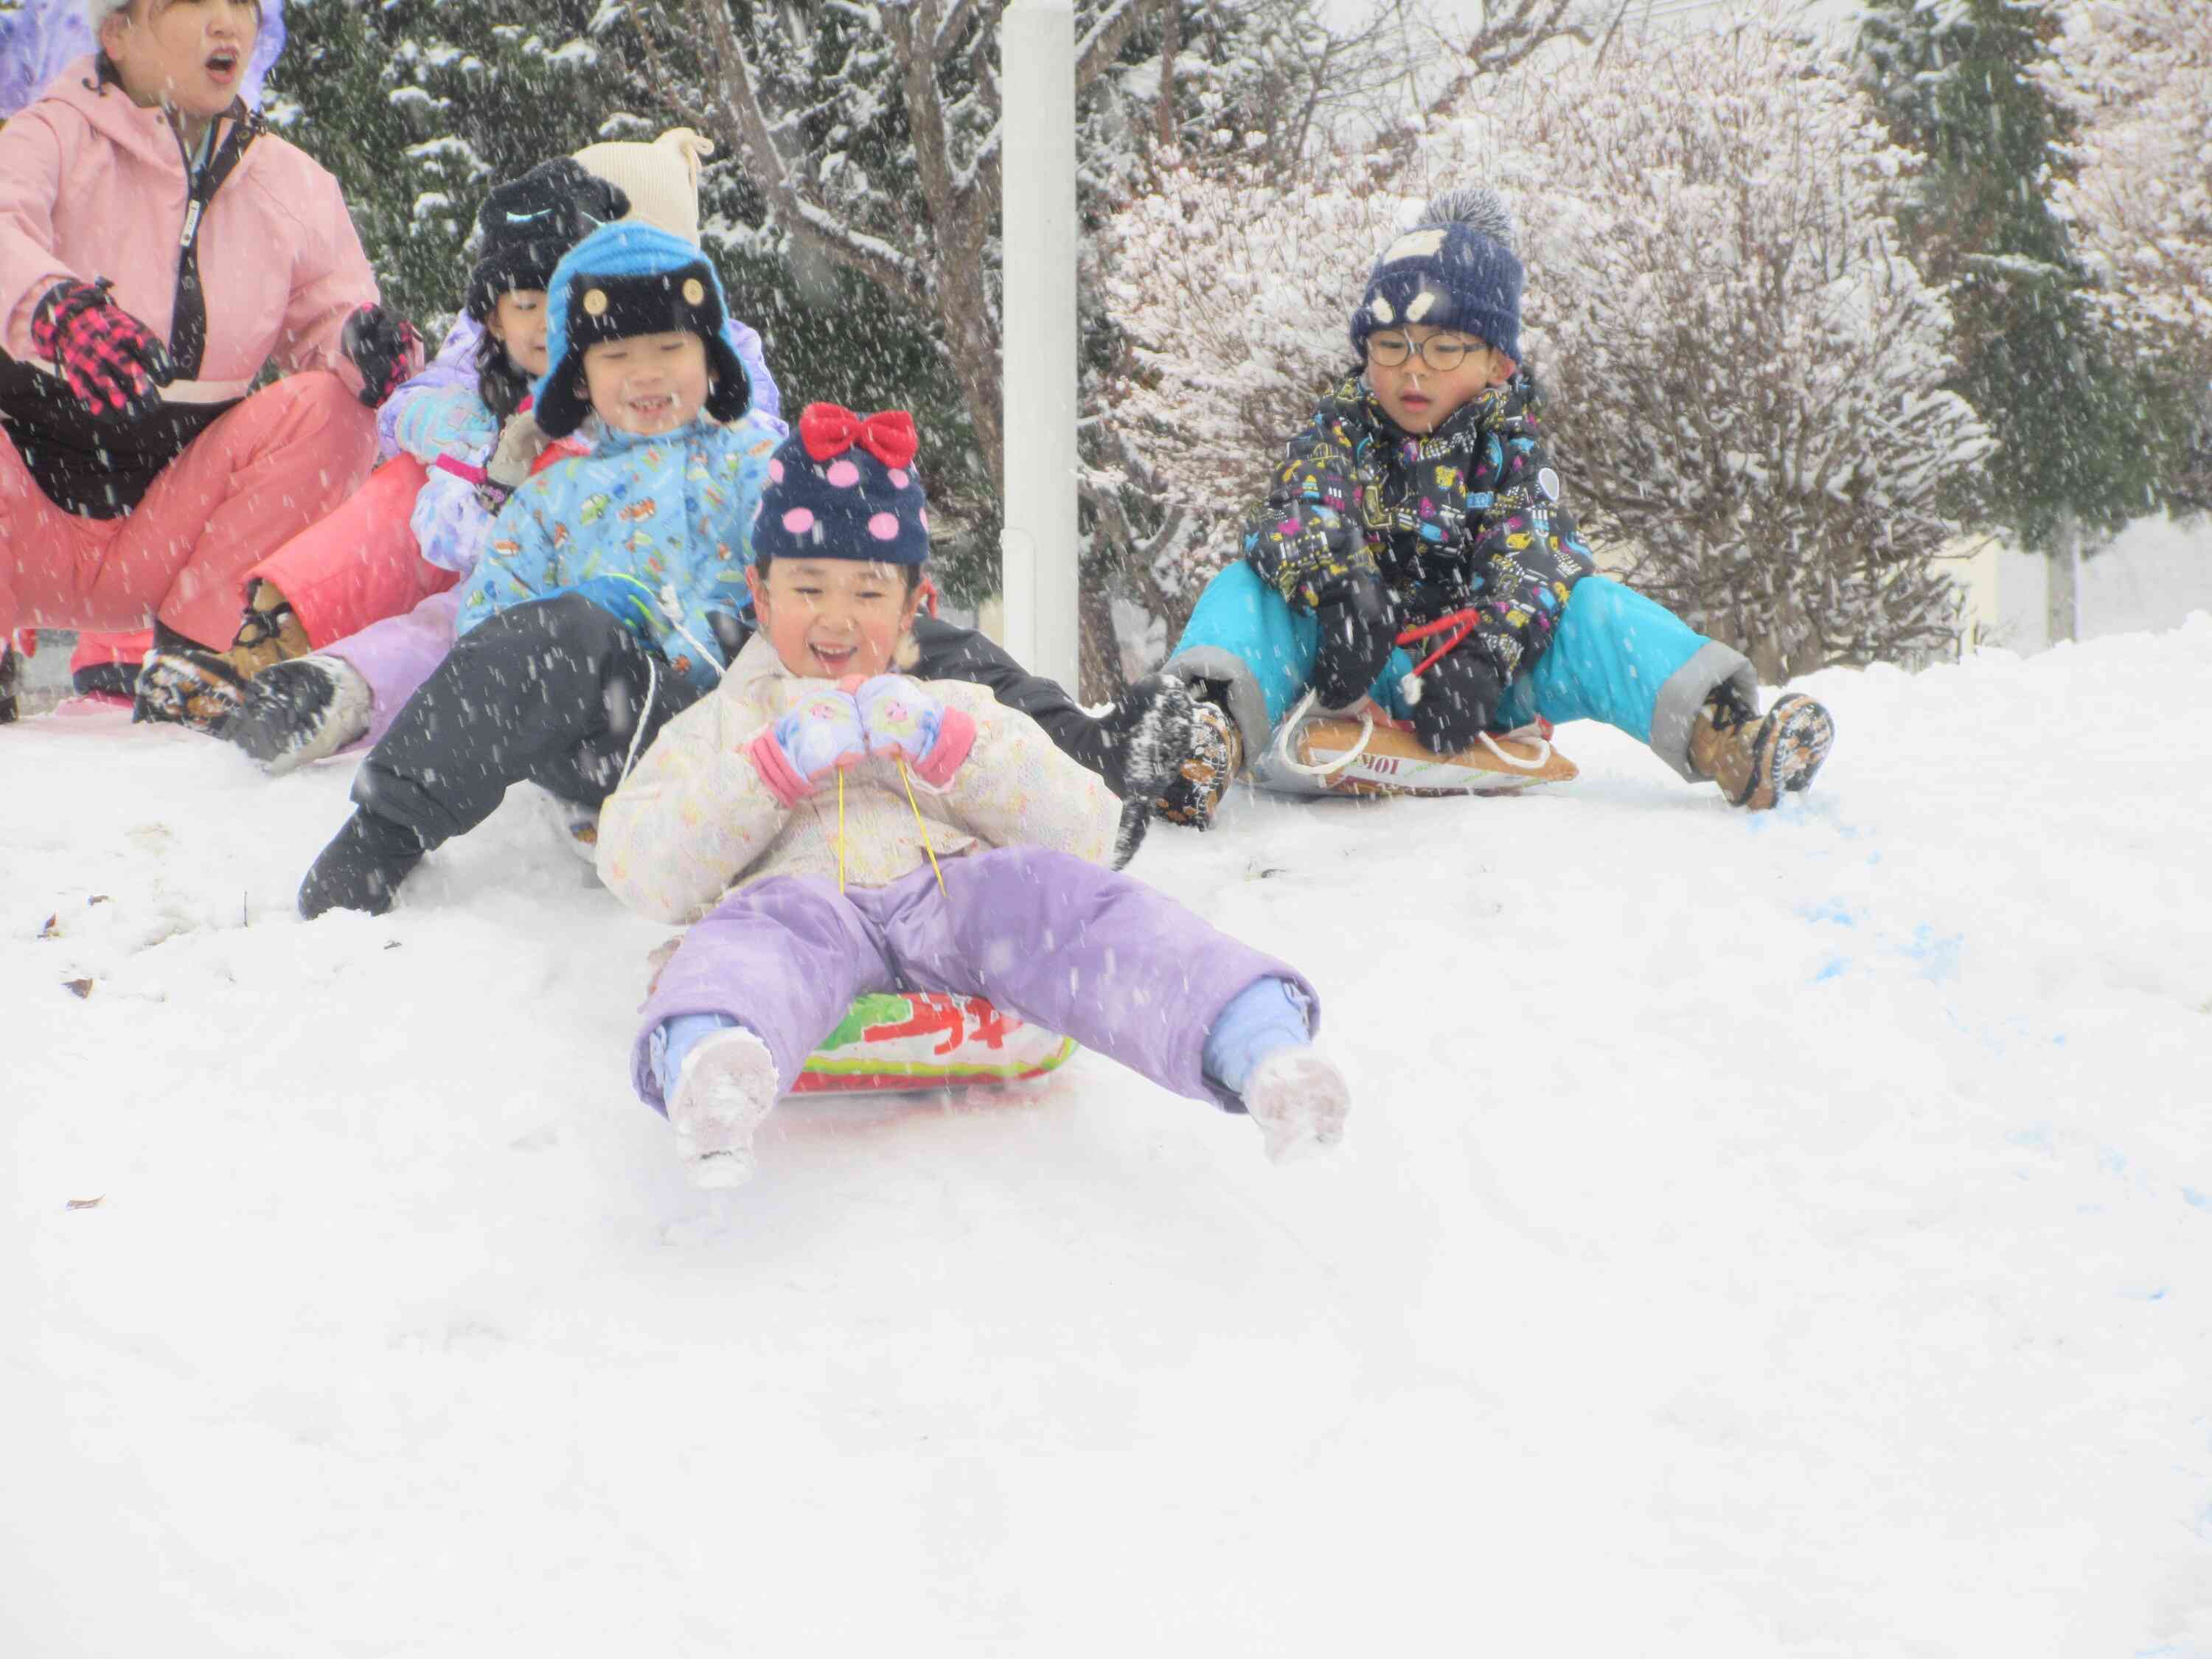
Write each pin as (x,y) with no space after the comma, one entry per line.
(661,178)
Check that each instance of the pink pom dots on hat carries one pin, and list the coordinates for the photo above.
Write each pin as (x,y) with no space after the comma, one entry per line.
(798,520)
(842,474)
(884,526)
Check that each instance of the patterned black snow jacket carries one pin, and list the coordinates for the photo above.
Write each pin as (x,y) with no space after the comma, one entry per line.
(1466,517)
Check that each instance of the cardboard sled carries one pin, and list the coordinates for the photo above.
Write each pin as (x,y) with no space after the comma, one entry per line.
(915,1040)
(1392,762)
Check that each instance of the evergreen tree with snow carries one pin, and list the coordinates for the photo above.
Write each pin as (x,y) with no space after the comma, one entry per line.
(1957,81)
(420,106)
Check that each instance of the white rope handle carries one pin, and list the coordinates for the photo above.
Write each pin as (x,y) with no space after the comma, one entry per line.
(672,608)
(652,690)
(1543,747)
(1325,769)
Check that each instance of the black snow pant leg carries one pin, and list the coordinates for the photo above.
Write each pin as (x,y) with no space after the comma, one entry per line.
(550,692)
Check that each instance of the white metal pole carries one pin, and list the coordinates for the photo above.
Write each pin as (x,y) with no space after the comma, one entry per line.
(1037,144)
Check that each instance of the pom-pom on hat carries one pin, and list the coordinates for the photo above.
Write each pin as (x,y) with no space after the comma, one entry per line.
(661,178)
(625,280)
(1457,269)
(529,222)
(845,487)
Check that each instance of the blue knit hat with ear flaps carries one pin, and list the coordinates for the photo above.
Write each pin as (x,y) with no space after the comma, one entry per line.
(625,280)
(1455,269)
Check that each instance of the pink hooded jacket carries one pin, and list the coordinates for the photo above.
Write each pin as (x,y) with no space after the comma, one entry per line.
(92,186)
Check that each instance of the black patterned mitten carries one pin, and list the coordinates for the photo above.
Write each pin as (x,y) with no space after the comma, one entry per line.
(1358,627)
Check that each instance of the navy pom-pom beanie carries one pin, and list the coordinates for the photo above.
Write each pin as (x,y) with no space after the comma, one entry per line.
(1457,269)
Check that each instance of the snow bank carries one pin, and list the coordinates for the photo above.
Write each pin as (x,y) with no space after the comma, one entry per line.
(1783,1235)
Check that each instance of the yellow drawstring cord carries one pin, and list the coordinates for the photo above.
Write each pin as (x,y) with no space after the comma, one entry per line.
(920,825)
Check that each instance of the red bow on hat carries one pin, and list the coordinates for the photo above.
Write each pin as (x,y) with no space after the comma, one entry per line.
(831,429)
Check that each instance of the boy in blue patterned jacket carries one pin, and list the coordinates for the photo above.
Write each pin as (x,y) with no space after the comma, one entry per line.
(1419,506)
(612,592)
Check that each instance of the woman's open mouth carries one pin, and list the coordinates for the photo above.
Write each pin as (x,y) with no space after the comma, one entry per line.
(223,65)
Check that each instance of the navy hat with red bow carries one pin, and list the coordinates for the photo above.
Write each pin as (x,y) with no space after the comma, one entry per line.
(844,487)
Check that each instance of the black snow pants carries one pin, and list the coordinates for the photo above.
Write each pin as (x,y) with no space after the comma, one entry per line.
(552,692)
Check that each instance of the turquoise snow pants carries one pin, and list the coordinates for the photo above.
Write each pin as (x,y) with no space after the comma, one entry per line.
(1616,657)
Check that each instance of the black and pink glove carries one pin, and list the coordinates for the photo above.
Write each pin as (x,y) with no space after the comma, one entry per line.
(387,351)
(112,362)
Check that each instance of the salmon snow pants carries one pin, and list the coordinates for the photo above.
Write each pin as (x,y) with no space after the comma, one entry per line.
(360,564)
(261,474)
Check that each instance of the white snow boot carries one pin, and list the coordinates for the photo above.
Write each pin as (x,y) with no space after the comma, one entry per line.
(298,711)
(727,1086)
(1299,1099)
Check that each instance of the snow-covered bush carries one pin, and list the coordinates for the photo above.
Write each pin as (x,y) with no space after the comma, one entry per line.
(1746,370)
(1234,292)
(2137,76)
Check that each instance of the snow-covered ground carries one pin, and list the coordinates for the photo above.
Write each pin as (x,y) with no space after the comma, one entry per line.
(1764,1237)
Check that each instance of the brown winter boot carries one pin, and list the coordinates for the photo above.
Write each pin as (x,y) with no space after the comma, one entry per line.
(269,634)
(1757,760)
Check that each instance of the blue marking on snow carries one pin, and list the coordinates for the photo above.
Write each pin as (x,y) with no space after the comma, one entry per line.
(2194,1199)
(2112,1160)
(1938,957)
(1834,968)
(1833,911)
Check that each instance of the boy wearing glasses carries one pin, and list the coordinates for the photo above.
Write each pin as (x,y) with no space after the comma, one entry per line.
(1420,495)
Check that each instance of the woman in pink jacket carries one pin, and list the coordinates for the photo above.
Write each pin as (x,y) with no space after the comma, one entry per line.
(158,248)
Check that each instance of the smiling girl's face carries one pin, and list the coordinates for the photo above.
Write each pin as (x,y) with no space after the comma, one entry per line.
(189,56)
(827,618)
(648,384)
(518,322)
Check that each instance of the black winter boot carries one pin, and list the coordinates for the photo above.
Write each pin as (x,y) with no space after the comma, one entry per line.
(362,868)
(10,665)
(183,683)
(299,711)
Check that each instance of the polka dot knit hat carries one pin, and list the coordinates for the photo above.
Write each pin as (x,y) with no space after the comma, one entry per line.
(845,487)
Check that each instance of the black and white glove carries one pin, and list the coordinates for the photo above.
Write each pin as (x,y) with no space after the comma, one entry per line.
(1153,729)
(1358,628)
(1460,695)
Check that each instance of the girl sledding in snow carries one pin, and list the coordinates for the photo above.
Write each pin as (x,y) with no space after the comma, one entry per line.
(1420,503)
(613,586)
(158,248)
(613,589)
(884,833)
(444,426)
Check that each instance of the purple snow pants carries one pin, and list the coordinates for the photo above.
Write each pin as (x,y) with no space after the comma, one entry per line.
(397,654)
(1076,949)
